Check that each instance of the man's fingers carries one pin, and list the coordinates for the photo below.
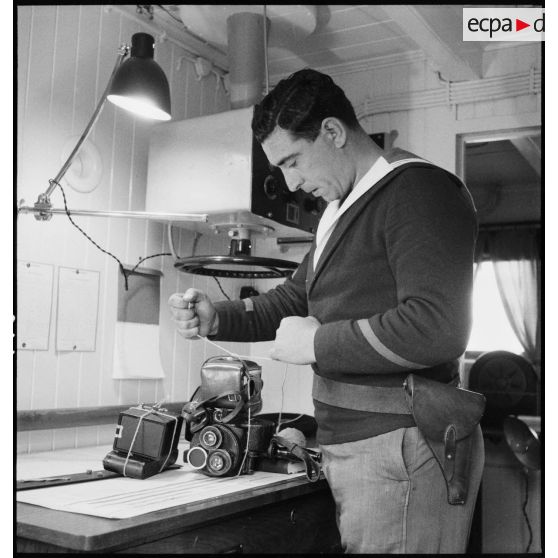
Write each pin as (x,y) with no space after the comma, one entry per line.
(192,296)
(176,300)
(189,333)
(182,313)
(187,324)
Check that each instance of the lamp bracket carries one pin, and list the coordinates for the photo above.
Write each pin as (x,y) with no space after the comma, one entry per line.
(43,206)
(124,50)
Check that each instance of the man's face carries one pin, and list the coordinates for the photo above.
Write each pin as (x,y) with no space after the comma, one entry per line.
(315,167)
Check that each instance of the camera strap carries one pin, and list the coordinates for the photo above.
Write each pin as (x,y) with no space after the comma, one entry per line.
(313,467)
(190,407)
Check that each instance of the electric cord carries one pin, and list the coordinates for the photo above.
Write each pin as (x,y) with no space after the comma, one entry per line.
(218,283)
(524,509)
(124,272)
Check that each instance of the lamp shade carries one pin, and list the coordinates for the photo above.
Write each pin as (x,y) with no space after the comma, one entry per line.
(140,85)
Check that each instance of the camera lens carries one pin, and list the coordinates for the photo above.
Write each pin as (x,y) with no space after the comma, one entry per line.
(210,437)
(219,462)
(197,457)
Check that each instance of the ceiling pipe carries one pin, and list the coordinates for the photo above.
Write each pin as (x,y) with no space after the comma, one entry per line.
(246,52)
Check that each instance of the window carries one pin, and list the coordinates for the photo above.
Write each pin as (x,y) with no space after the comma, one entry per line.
(491,328)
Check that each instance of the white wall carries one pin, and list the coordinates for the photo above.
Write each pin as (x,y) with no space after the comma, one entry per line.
(65,57)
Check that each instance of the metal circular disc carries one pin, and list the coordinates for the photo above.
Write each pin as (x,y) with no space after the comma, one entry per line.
(505,379)
(239,266)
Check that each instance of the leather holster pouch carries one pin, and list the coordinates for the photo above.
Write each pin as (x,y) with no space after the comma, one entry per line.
(447,417)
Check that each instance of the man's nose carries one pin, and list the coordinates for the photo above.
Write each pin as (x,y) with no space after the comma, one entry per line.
(293,181)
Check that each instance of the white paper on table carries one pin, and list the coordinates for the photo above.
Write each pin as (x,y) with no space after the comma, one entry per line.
(125,497)
(34,305)
(136,352)
(78,303)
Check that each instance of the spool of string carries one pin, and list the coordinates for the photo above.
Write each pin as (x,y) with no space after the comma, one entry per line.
(293,435)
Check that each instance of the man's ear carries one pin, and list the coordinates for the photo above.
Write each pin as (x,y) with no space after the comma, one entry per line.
(334,130)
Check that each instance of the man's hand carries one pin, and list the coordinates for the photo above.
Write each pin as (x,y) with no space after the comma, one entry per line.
(193,313)
(294,340)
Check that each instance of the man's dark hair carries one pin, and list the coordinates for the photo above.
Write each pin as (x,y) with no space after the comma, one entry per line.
(299,104)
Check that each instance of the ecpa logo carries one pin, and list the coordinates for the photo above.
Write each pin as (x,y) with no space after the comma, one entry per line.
(503,24)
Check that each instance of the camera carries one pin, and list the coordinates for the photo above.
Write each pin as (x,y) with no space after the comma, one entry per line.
(220,450)
(224,438)
(145,442)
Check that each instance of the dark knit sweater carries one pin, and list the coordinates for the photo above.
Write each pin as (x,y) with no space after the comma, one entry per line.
(392,291)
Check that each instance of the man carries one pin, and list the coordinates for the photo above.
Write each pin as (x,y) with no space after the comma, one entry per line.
(384,292)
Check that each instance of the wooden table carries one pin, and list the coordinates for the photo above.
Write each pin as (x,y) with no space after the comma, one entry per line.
(293,516)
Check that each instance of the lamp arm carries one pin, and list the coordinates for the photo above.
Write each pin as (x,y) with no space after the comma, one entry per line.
(43,201)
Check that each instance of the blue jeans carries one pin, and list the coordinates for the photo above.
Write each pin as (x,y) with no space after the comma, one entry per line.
(391,496)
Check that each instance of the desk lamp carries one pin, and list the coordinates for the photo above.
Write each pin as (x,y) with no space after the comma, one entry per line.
(138,85)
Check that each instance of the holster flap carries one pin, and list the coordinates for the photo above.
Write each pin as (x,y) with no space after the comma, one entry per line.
(435,406)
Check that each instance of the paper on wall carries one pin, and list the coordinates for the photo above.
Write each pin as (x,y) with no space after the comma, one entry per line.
(78,304)
(34,305)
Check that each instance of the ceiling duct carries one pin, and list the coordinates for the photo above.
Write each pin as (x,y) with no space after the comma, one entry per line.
(245,37)
(223,171)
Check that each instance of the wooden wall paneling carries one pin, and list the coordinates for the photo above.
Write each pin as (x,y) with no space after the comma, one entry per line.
(41,48)
(97,54)
(465,111)
(88,84)
(380,123)
(503,107)
(221,99)
(167,334)
(399,122)
(86,436)
(25,365)
(128,391)
(109,39)
(41,440)
(177,81)
(108,388)
(24,38)
(356,85)
(67,376)
(64,438)
(63,67)
(193,93)
(147,391)
(22,442)
(416,74)
(154,243)
(416,131)
(105,434)
(400,79)
(207,99)
(439,145)
(527,104)
(484,109)
(61,122)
